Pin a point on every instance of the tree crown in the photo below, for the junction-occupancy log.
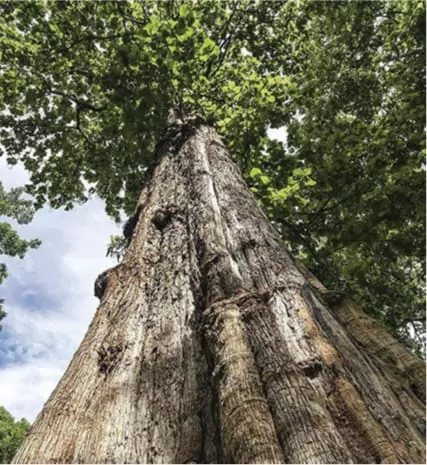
(86, 87)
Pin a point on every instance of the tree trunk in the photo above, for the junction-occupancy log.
(211, 344)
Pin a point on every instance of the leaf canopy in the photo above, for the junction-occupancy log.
(86, 87)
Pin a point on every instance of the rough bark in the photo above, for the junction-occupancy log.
(211, 344)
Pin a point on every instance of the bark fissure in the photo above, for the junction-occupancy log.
(212, 344)
(247, 428)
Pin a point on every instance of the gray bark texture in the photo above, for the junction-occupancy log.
(212, 344)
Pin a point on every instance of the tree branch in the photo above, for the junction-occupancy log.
(82, 105)
(295, 231)
(226, 42)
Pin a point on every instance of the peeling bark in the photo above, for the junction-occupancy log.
(212, 345)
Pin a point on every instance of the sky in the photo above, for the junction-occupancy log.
(49, 296)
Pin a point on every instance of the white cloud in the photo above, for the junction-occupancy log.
(25, 387)
(49, 299)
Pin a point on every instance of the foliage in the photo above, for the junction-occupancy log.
(86, 87)
(117, 247)
(12, 433)
(13, 206)
(359, 123)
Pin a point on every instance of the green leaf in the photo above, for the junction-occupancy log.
(264, 179)
(255, 172)
(184, 10)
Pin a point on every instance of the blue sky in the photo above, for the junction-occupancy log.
(49, 296)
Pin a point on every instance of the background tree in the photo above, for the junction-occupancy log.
(13, 206)
(12, 434)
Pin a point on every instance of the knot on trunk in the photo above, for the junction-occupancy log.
(333, 298)
(161, 218)
(311, 368)
(108, 357)
(101, 283)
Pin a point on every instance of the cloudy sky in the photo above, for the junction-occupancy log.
(49, 298)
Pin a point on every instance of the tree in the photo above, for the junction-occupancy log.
(212, 344)
(12, 205)
(12, 434)
(205, 286)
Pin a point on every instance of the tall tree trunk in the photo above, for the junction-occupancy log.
(212, 344)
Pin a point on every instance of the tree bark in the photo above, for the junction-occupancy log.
(211, 344)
